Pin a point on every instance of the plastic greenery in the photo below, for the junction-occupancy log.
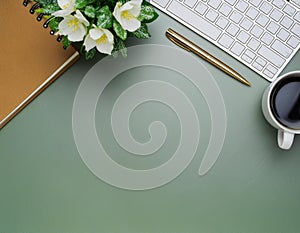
(98, 25)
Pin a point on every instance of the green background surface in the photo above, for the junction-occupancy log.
(45, 187)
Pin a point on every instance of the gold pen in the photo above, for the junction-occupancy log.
(191, 47)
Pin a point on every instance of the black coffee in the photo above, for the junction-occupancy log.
(285, 102)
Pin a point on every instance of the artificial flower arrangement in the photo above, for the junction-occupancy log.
(98, 25)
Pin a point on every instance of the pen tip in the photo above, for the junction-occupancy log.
(248, 84)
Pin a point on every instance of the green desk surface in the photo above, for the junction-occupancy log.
(45, 187)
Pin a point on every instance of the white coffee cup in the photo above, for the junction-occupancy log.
(286, 132)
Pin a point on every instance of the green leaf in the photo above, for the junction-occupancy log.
(147, 14)
(105, 18)
(39, 10)
(44, 3)
(110, 3)
(66, 43)
(119, 46)
(90, 54)
(120, 31)
(47, 16)
(49, 9)
(114, 54)
(90, 11)
(80, 4)
(97, 2)
(124, 52)
(142, 32)
(53, 24)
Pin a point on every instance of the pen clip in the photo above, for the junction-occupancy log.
(177, 42)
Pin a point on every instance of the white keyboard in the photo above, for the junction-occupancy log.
(264, 35)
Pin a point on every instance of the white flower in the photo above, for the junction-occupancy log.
(127, 14)
(67, 6)
(102, 38)
(73, 26)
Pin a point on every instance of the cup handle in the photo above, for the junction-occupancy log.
(285, 139)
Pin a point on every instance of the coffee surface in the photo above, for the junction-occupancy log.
(285, 102)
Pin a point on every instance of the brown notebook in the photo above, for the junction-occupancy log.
(30, 58)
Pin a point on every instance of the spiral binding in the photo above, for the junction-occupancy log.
(40, 17)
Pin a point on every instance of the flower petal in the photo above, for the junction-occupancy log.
(96, 33)
(77, 35)
(62, 13)
(131, 25)
(63, 27)
(105, 48)
(89, 43)
(127, 6)
(136, 10)
(137, 2)
(117, 12)
(63, 3)
(109, 35)
(81, 18)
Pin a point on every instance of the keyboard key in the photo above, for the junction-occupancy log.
(268, 73)
(241, 6)
(243, 36)
(247, 59)
(194, 20)
(226, 41)
(201, 8)
(231, 2)
(222, 22)
(162, 3)
(190, 3)
(262, 20)
(266, 7)
(267, 38)
(289, 10)
(281, 48)
(255, 2)
(297, 16)
(260, 61)
(246, 24)
(272, 69)
(236, 16)
(253, 44)
(232, 29)
(252, 13)
(237, 48)
(271, 56)
(278, 3)
(256, 31)
(276, 15)
(257, 66)
(283, 34)
(293, 42)
(286, 22)
(272, 27)
(250, 54)
(225, 9)
(214, 3)
(211, 15)
(296, 29)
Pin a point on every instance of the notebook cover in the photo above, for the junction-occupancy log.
(30, 58)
